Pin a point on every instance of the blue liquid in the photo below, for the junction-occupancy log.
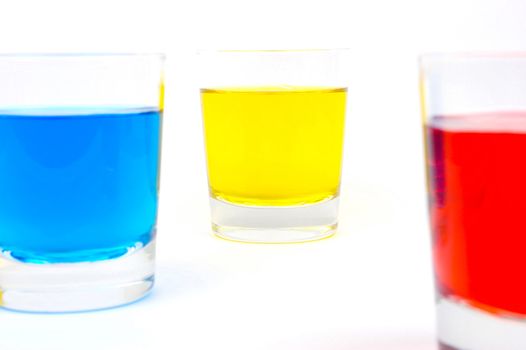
(77, 185)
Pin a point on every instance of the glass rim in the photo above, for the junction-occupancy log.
(80, 55)
(443, 57)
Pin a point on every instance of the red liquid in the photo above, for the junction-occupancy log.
(477, 177)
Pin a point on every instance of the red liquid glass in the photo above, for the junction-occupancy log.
(477, 178)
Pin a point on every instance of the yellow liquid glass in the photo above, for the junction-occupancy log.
(274, 146)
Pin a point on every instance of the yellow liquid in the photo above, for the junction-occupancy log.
(274, 146)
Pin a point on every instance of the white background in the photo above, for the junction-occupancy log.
(369, 287)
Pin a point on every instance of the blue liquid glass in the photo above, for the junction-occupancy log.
(77, 185)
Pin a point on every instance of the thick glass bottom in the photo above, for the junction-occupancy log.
(271, 224)
(68, 287)
(463, 327)
(445, 347)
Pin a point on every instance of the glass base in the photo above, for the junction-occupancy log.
(463, 327)
(69, 287)
(445, 347)
(274, 224)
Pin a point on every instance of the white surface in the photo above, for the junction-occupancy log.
(370, 286)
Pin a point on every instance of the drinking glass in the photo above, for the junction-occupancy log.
(79, 160)
(274, 128)
(474, 109)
